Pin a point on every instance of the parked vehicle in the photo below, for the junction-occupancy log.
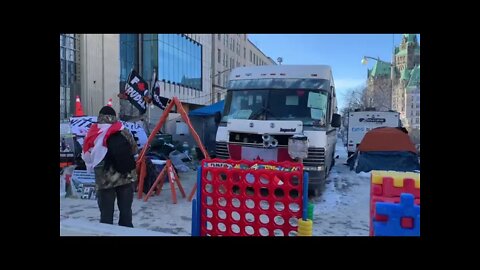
(359, 123)
(266, 105)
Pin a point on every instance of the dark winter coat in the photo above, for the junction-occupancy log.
(118, 166)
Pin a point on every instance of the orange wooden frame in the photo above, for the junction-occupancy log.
(141, 165)
(172, 178)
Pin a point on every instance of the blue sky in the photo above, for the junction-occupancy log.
(343, 52)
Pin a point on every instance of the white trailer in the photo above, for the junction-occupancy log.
(359, 123)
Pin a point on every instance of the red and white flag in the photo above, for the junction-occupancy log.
(95, 143)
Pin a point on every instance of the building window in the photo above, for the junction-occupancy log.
(219, 55)
(219, 78)
(244, 53)
(181, 60)
(219, 37)
(149, 55)
(128, 55)
(219, 96)
(69, 86)
(251, 56)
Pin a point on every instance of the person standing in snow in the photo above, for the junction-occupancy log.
(108, 151)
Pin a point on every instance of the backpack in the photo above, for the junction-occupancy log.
(119, 154)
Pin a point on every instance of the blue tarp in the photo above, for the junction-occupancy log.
(208, 110)
(387, 160)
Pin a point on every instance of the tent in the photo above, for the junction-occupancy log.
(387, 148)
(210, 110)
(205, 121)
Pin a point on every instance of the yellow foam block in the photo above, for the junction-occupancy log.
(398, 177)
(377, 177)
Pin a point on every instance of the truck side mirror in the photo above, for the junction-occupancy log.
(336, 120)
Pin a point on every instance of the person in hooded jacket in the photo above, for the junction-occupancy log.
(108, 151)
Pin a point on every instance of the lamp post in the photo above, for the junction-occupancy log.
(216, 85)
(392, 69)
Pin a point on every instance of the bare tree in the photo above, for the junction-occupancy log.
(379, 94)
(355, 99)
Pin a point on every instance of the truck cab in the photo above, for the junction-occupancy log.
(266, 105)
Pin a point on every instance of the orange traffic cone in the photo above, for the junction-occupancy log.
(78, 107)
(109, 102)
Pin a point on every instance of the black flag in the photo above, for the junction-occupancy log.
(159, 101)
(136, 89)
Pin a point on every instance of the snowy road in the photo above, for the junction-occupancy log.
(343, 208)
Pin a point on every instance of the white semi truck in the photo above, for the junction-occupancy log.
(359, 123)
(266, 106)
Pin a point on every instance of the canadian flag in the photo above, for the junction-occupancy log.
(95, 143)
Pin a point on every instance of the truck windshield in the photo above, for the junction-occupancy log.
(306, 105)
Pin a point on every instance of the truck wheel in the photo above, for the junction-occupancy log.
(315, 191)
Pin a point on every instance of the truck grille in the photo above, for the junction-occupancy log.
(221, 150)
(316, 157)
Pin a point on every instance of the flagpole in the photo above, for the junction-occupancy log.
(125, 88)
(150, 96)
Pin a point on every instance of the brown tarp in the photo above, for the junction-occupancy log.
(386, 139)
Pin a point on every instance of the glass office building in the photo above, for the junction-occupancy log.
(69, 78)
(128, 56)
(176, 57)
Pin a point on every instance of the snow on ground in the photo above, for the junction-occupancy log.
(79, 227)
(157, 214)
(344, 207)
